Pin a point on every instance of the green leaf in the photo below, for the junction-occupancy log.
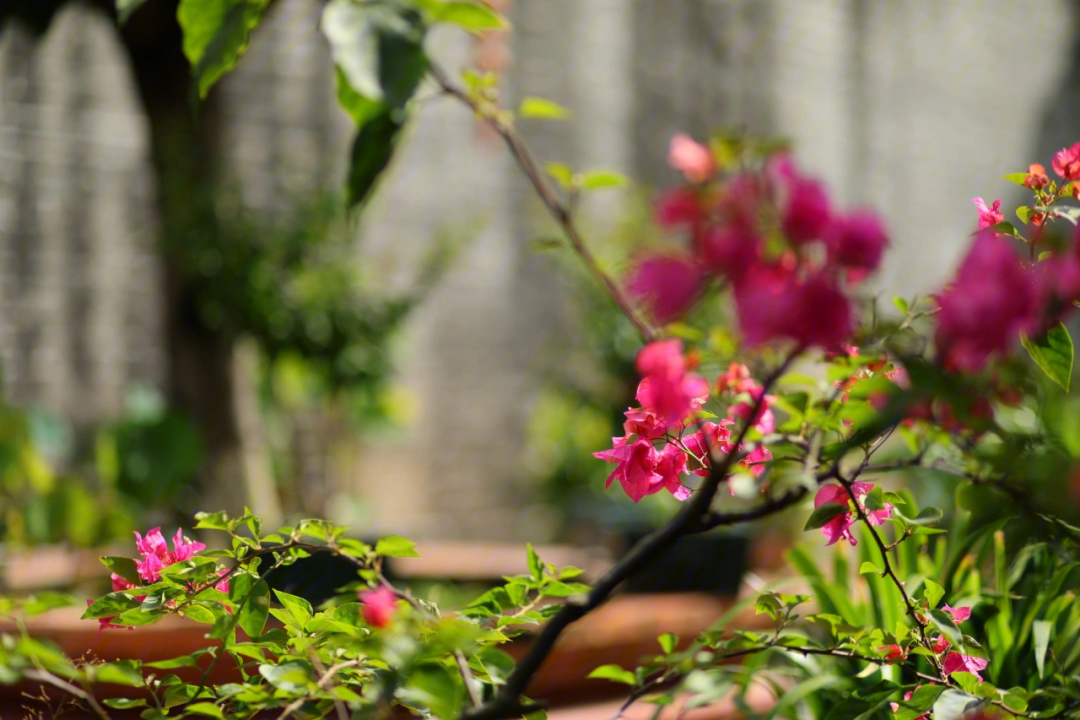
(371, 153)
(1023, 212)
(875, 499)
(254, 612)
(298, 607)
(668, 642)
(204, 708)
(932, 592)
(562, 173)
(927, 516)
(921, 700)
(537, 108)
(216, 34)
(868, 567)
(124, 8)
(200, 614)
(436, 688)
(121, 672)
(396, 546)
(123, 703)
(360, 108)
(597, 179)
(211, 521)
(536, 567)
(954, 705)
(1017, 178)
(614, 673)
(900, 304)
(1053, 352)
(111, 605)
(44, 601)
(378, 46)
(1041, 636)
(823, 514)
(474, 17)
(292, 676)
(124, 567)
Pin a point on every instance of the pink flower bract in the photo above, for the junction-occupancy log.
(691, 158)
(840, 526)
(666, 284)
(1066, 162)
(667, 390)
(774, 303)
(955, 662)
(960, 614)
(988, 215)
(379, 606)
(992, 300)
(858, 241)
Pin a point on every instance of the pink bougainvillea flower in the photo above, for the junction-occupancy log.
(737, 379)
(955, 662)
(940, 644)
(643, 423)
(156, 553)
(379, 606)
(150, 568)
(858, 241)
(666, 389)
(988, 215)
(959, 614)
(992, 300)
(691, 158)
(729, 250)
(773, 303)
(635, 467)
(804, 216)
(671, 463)
(755, 460)
(1066, 162)
(1036, 178)
(153, 544)
(764, 421)
(840, 526)
(666, 284)
(183, 548)
(711, 438)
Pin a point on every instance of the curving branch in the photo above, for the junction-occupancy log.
(559, 210)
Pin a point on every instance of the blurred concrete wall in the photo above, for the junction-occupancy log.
(913, 107)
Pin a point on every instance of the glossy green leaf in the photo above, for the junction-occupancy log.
(298, 607)
(536, 567)
(216, 35)
(869, 567)
(597, 179)
(1053, 352)
(292, 676)
(396, 546)
(124, 567)
(204, 708)
(111, 605)
(121, 672)
(932, 592)
(123, 703)
(668, 642)
(436, 688)
(1016, 178)
(256, 609)
(954, 705)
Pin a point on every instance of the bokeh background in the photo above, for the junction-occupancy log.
(430, 369)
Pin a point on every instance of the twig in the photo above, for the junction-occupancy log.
(467, 676)
(48, 677)
(559, 211)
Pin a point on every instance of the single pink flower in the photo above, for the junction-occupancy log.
(666, 389)
(940, 644)
(635, 467)
(955, 662)
(153, 544)
(379, 606)
(183, 548)
(691, 158)
(1066, 162)
(764, 421)
(150, 568)
(737, 379)
(960, 614)
(988, 215)
(858, 241)
(992, 300)
(712, 437)
(666, 284)
(895, 652)
(643, 423)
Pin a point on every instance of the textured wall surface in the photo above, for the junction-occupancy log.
(913, 107)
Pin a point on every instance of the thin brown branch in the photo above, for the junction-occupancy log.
(467, 677)
(559, 210)
(324, 681)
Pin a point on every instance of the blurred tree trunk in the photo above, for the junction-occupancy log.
(184, 153)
